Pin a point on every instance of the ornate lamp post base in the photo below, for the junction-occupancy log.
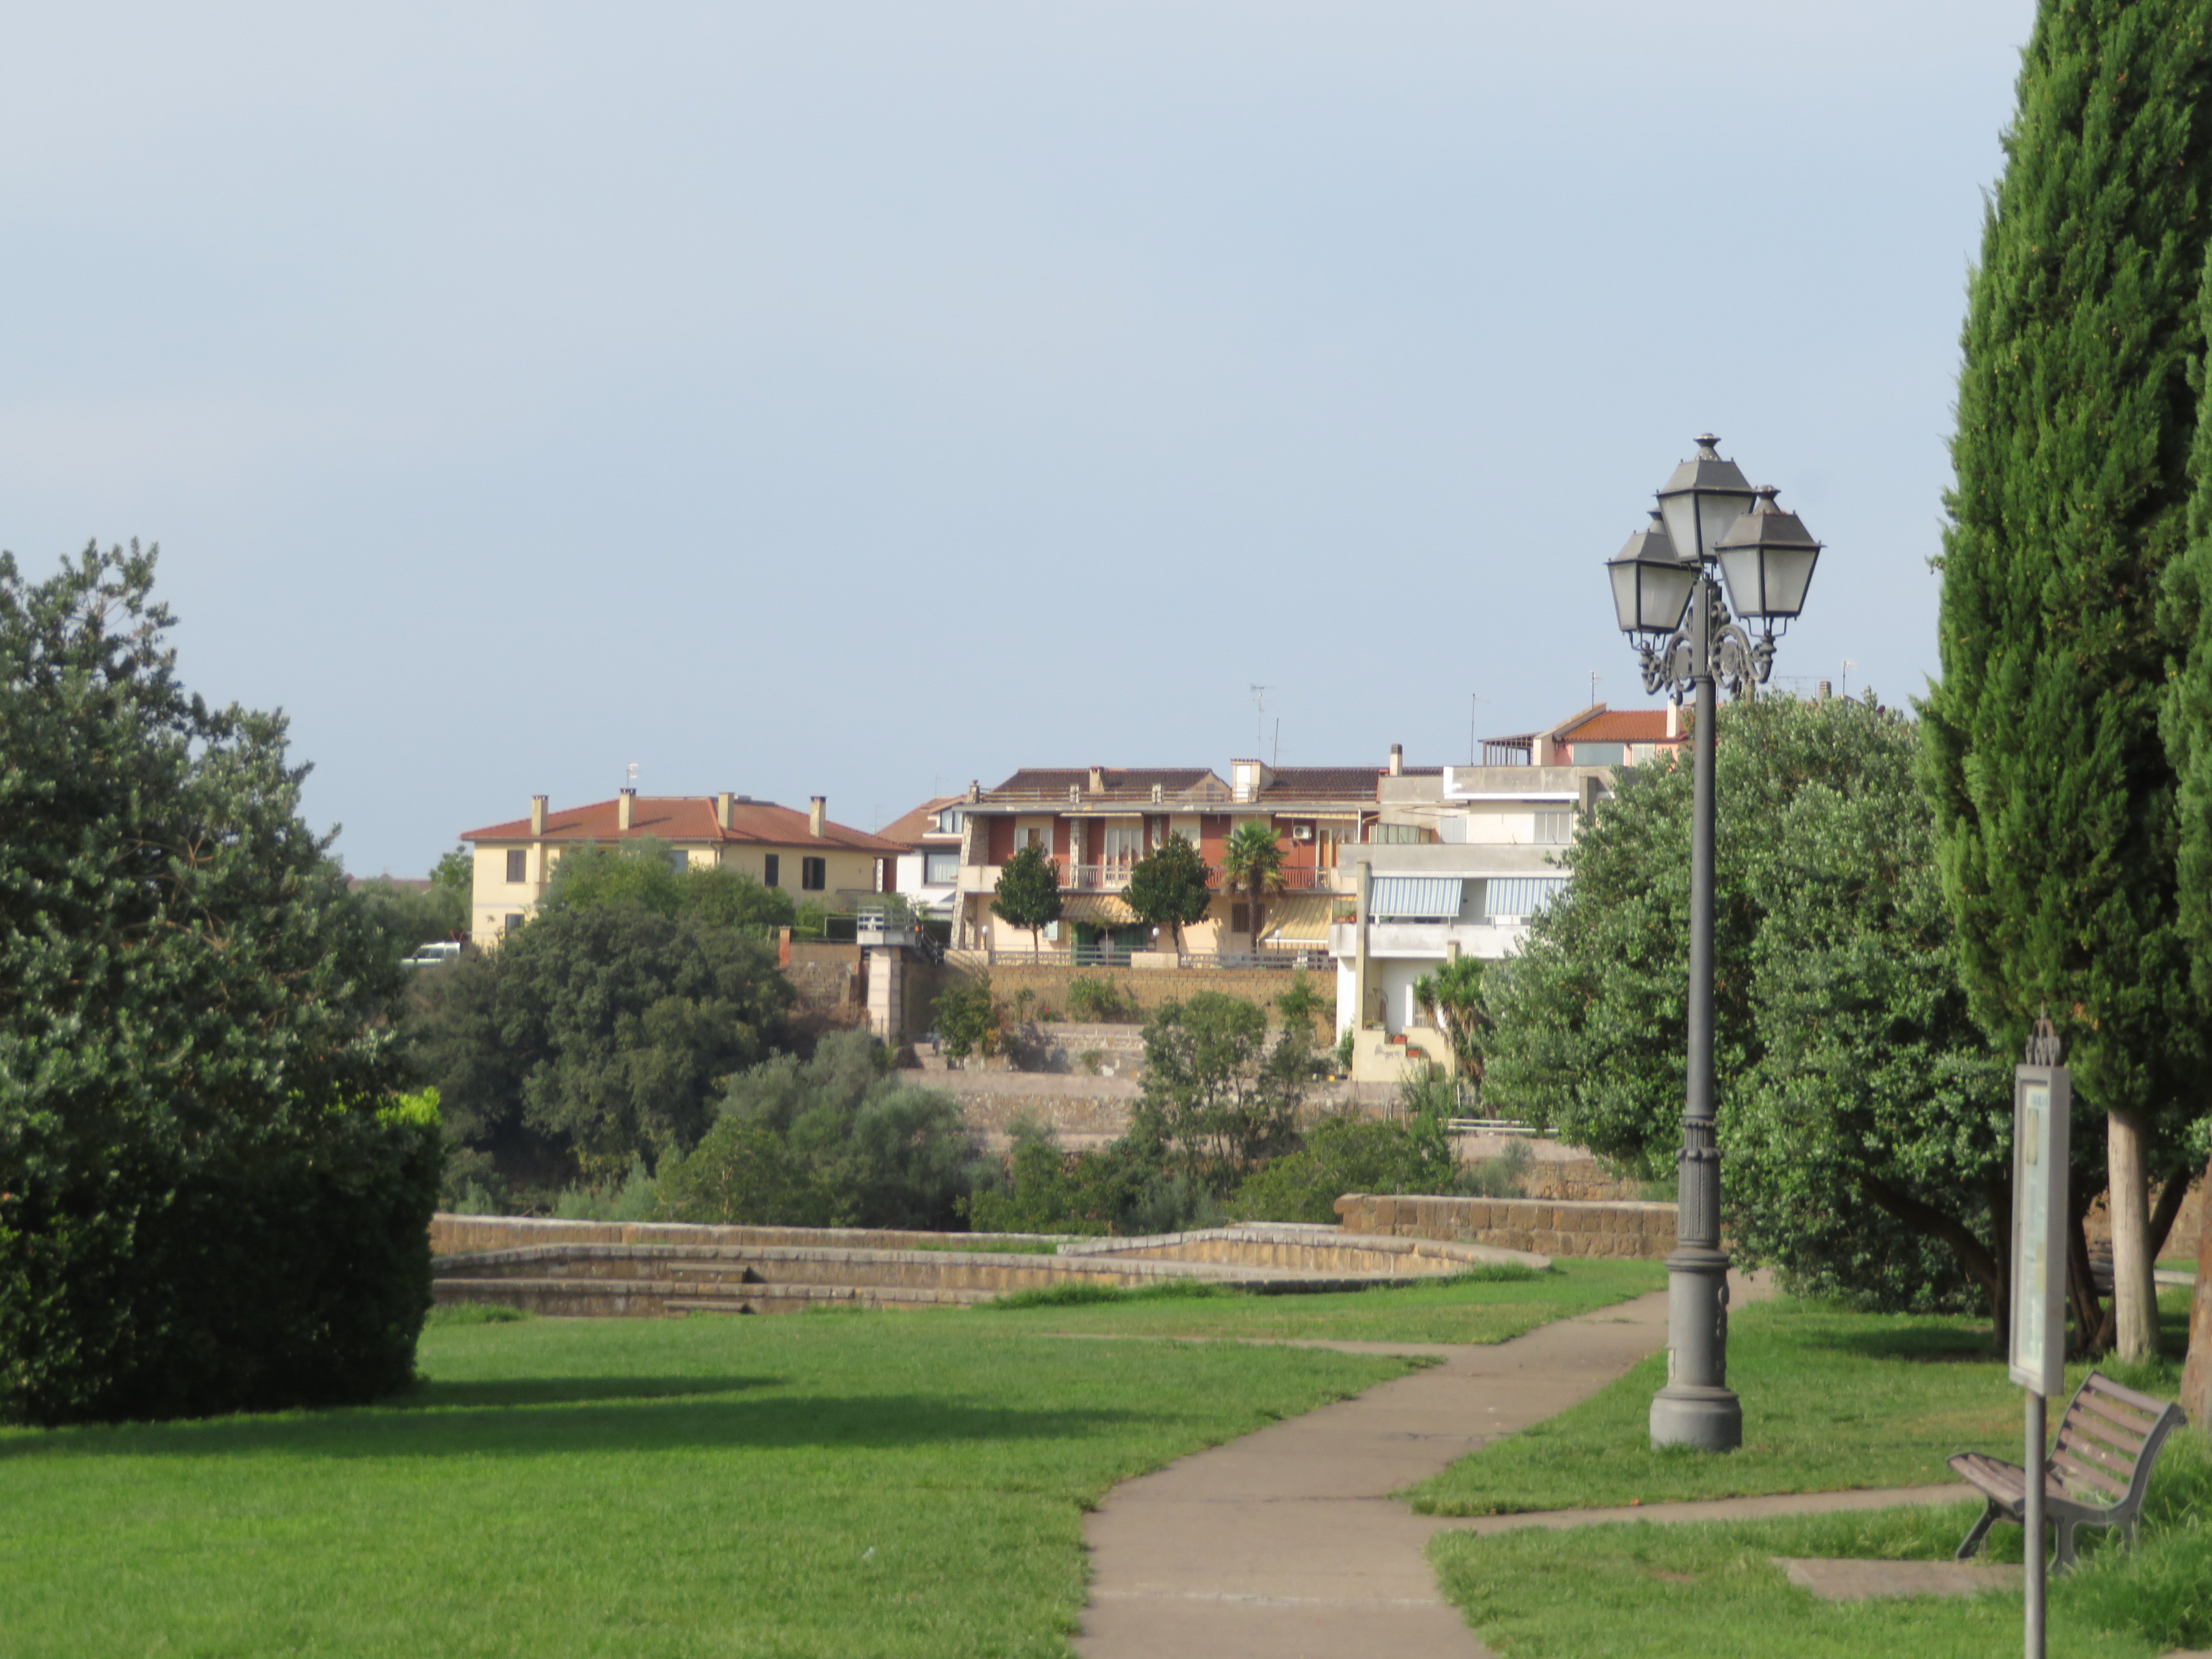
(1697, 1407)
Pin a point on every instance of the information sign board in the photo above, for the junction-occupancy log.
(2042, 1109)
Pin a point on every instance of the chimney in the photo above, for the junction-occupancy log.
(538, 814)
(1827, 691)
(1097, 780)
(975, 789)
(722, 812)
(1397, 760)
(625, 802)
(815, 804)
(1673, 718)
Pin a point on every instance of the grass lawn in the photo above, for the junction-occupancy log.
(1832, 1400)
(1463, 1308)
(895, 1484)
(1656, 1592)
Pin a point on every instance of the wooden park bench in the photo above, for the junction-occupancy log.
(2097, 1472)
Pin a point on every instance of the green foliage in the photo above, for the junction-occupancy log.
(1028, 892)
(1076, 1294)
(203, 1206)
(1349, 1153)
(1452, 997)
(643, 873)
(455, 872)
(968, 1018)
(1302, 1006)
(1124, 1188)
(2054, 795)
(1252, 864)
(1217, 1095)
(839, 1140)
(1860, 1107)
(1101, 1001)
(636, 1198)
(408, 918)
(1168, 887)
(596, 1036)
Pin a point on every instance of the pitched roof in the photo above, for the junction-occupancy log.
(1305, 782)
(908, 830)
(1056, 780)
(1622, 726)
(690, 818)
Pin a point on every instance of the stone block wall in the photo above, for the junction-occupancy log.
(1547, 1227)
(1151, 987)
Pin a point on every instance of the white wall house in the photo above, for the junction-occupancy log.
(928, 874)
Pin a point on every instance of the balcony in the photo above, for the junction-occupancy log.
(1489, 939)
(1112, 877)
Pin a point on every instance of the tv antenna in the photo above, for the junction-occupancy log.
(1594, 678)
(629, 774)
(1473, 703)
(1260, 718)
(1848, 665)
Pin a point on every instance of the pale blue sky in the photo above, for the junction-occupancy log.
(858, 398)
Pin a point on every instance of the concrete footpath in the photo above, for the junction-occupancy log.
(1288, 1542)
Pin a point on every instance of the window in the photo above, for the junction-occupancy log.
(1033, 838)
(813, 874)
(679, 861)
(1240, 918)
(1399, 835)
(1554, 829)
(518, 864)
(1600, 754)
(948, 822)
(514, 920)
(771, 866)
(943, 867)
(1122, 846)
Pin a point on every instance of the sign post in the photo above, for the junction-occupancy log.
(2042, 1109)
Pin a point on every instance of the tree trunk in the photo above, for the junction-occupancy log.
(2197, 1374)
(2081, 1283)
(2134, 1296)
(2171, 1197)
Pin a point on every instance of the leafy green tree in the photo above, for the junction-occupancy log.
(1302, 1006)
(1862, 1110)
(838, 1141)
(1124, 1188)
(1349, 1153)
(644, 872)
(596, 1035)
(209, 1200)
(1217, 1095)
(1452, 996)
(455, 872)
(1252, 864)
(2054, 794)
(1028, 892)
(408, 918)
(968, 1018)
(1168, 887)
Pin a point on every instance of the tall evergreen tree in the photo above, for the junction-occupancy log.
(2053, 791)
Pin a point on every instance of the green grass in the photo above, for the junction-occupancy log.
(1832, 1400)
(1484, 1306)
(886, 1484)
(1654, 1592)
(991, 1244)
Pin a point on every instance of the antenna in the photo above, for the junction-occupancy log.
(1277, 756)
(629, 772)
(1848, 665)
(1472, 703)
(1258, 716)
(1594, 678)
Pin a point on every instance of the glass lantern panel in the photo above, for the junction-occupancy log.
(1666, 593)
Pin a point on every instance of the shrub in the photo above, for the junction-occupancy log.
(1346, 1152)
(967, 1019)
(1101, 1001)
(1216, 1095)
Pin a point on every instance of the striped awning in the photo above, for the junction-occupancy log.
(1097, 910)
(1403, 898)
(1520, 896)
(1299, 919)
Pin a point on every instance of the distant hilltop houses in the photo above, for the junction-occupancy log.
(1386, 870)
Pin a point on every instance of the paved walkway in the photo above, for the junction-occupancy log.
(1288, 1542)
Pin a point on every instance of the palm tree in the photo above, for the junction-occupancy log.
(1252, 863)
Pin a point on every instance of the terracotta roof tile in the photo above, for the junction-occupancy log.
(690, 818)
(1623, 725)
(908, 830)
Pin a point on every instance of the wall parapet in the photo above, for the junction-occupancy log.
(1549, 1227)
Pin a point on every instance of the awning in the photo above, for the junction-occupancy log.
(1299, 918)
(1097, 910)
(1520, 896)
(1401, 898)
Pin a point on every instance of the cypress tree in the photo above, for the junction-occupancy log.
(2053, 790)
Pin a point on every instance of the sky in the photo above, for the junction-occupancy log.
(855, 399)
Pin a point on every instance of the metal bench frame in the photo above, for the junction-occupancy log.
(2097, 1472)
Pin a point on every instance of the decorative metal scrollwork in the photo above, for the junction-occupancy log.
(2043, 1045)
(1739, 660)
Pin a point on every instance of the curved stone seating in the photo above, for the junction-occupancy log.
(647, 1269)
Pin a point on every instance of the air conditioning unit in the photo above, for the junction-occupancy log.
(1302, 832)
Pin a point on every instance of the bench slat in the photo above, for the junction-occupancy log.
(2142, 1402)
(2095, 1476)
(2121, 1466)
(2117, 1415)
(2123, 1441)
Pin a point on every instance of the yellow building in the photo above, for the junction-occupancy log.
(803, 853)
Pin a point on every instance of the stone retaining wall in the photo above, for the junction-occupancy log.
(1550, 1228)
(452, 1235)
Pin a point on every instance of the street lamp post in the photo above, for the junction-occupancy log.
(1668, 602)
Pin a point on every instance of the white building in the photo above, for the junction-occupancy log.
(928, 871)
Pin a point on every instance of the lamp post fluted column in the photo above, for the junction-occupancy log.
(1697, 1407)
(1668, 601)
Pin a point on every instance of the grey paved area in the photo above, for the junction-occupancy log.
(1863, 1581)
(1287, 1543)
